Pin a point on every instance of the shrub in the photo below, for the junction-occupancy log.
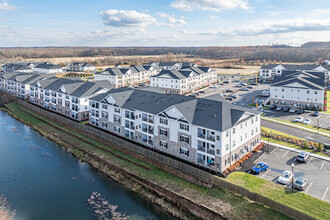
(237, 164)
(284, 139)
(240, 161)
(320, 148)
(305, 145)
(311, 143)
(316, 144)
(227, 171)
(294, 141)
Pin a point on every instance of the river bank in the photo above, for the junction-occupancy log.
(176, 195)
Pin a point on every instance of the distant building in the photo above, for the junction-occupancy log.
(184, 80)
(301, 89)
(127, 76)
(16, 67)
(172, 65)
(80, 67)
(209, 132)
(268, 72)
(48, 68)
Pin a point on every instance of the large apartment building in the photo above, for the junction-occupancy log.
(209, 132)
(127, 76)
(18, 83)
(172, 65)
(16, 67)
(80, 67)
(301, 89)
(48, 68)
(184, 80)
(268, 72)
(66, 96)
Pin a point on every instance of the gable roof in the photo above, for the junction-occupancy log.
(48, 66)
(302, 79)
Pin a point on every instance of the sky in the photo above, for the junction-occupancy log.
(114, 23)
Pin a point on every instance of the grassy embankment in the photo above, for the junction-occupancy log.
(301, 126)
(231, 205)
(305, 203)
(275, 132)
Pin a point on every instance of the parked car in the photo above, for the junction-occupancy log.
(254, 84)
(220, 83)
(292, 110)
(300, 183)
(243, 84)
(316, 114)
(303, 156)
(285, 178)
(212, 87)
(260, 167)
(229, 90)
(307, 121)
(300, 111)
(249, 87)
(245, 89)
(286, 109)
(238, 85)
(202, 91)
(272, 107)
(299, 119)
(278, 108)
(226, 81)
(234, 96)
(229, 98)
(193, 95)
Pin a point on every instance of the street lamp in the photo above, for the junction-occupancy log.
(292, 165)
(268, 141)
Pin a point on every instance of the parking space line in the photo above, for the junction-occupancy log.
(274, 150)
(325, 192)
(259, 157)
(308, 161)
(285, 154)
(265, 173)
(308, 187)
(322, 165)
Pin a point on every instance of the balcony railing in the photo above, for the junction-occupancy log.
(211, 151)
(201, 162)
(200, 148)
(201, 135)
(211, 138)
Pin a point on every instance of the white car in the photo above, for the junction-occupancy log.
(285, 178)
(307, 121)
(299, 119)
(292, 110)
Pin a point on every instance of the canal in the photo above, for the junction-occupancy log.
(42, 181)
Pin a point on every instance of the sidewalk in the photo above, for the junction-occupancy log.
(296, 150)
(296, 126)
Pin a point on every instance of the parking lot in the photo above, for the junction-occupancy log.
(316, 170)
(324, 119)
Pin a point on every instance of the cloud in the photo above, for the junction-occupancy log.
(122, 18)
(171, 20)
(4, 5)
(209, 5)
(213, 17)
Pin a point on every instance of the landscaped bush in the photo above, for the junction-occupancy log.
(319, 148)
(305, 145)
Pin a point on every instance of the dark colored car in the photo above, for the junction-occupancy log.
(279, 108)
(229, 90)
(260, 167)
(226, 82)
(201, 91)
(272, 107)
(234, 96)
(249, 87)
(286, 109)
(229, 98)
(254, 84)
(300, 111)
(316, 114)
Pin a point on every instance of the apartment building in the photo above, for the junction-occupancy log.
(48, 68)
(16, 67)
(127, 76)
(66, 96)
(209, 132)
(268, 72)
(301, 89)
(80, 67)
(18, 83)
(172, 65)
(184, 80)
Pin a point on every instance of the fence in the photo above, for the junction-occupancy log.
(162, 160)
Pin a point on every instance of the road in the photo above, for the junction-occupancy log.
(295, 132)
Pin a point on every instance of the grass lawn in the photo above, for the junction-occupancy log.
(328, 102)
(280, 121)
(233, 206)
(264, 129)
(314, 207)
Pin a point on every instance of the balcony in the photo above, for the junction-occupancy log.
(211, 138)
(201, 135)
(210, 151)
(201, 162)
(201, 148)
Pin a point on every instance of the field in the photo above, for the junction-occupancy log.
(245, 70)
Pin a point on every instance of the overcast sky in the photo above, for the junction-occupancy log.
(163, 22)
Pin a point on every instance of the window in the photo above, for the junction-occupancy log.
(184, 151)
(117, 129)
(315, 92)
(307, 91)
(184, 139)
(252, 121)
(257, 118)
(256, 129)
(218, 138)
(104, 115)
(104, 124)
(234, 130)
(234, 143)
(227, 147)
(227, 133)
(163, 144)
(117, 110)
(252, 132)
(282, 90)
(163, 132)
(184, 127)
(104, 106)
(163, 121)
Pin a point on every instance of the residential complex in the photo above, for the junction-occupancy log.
(172, 65)
(302, 89)
(127, 76)
(210, 132)
(48, 68)
(16, 67)
(268, 72)
(184, 80)
(80, 67)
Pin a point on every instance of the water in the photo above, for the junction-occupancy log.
(42, 181)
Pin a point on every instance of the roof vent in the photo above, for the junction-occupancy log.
(215, 115)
